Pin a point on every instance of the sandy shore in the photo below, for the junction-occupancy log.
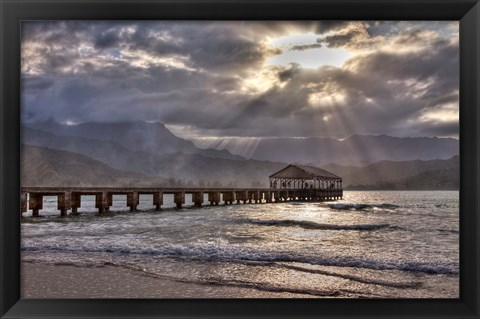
(53, 281)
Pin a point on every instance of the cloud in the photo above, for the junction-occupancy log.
(306, 46)
(213, 77)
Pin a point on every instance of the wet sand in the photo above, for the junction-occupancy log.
(55, 281)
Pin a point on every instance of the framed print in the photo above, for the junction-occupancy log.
(240, 159)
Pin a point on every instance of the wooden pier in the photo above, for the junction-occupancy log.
(69, 198)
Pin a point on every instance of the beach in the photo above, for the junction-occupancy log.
(49, 281)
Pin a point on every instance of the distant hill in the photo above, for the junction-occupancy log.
(177, 168)
(175, 162)
(138, 136)
(434, 174)
(442, 179)
(111, 153)
(47, 167)
(355, 150)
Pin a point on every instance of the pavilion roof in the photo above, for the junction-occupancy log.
(303, 172)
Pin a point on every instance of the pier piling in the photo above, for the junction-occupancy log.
(76, 202)
(158, 200)
(132, 200)
(179, 199)
(101, 202)
(23, 202)
(214, 197)
(35, 203)
(64, 203)
(197, 198)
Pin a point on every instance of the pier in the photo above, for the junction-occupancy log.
(69, 198)
(292, 183)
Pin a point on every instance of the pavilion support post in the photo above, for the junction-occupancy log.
(268, 197)
(241, 196)
(238, 197)
(158, 200)
(228, 198)
(225, 198)
(35, 203)
(256, 196)
(179, 199)
(64, 203)
(250, 196)
(210, 198)
(132, 200)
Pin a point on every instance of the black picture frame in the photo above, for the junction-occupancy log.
(15, 11)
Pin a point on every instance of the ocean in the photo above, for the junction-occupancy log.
(371, 244)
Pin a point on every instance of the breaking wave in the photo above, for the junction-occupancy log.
(312, 225)
(212, 253)
(362, 206)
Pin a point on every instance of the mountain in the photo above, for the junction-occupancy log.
(155, 138)
(109, 152)
(42, 166)
(434, 174)
(442, 179)
(138, 136)
(355, 150)
(232, 173)
(175, 162)
(177, 168)
(47, 167)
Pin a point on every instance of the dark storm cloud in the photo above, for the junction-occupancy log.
(197, 74)
(400, 86)
(107, 39)
(306, 46)
(289, 73)
(326, 26)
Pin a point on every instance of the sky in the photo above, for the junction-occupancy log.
(210, 80)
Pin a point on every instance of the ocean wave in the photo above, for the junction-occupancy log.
(312, 225)
(362, 206)
(209, 252)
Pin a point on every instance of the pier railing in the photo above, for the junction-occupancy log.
(69, 198)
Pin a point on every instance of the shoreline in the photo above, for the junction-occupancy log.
(43, 281)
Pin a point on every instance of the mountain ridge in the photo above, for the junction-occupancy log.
(194, 167)
(353, 150)
(137, 136)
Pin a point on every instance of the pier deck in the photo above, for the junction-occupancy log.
(69, 198)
